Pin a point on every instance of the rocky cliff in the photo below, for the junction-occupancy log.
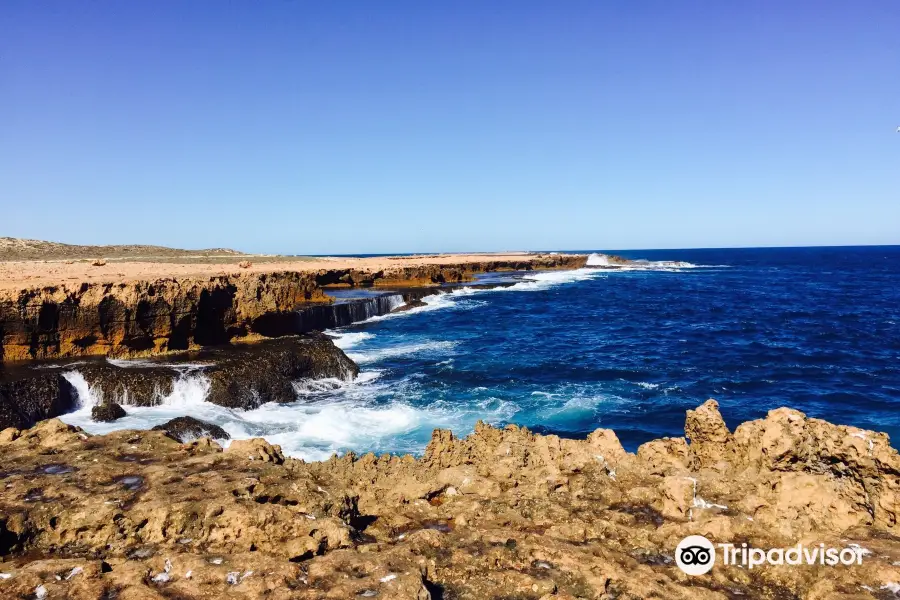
(143, 318)
(240, 376)
(501, 514)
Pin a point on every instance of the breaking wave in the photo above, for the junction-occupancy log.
(414, 379)
(417, 348)
(189, 388)
(602, 261)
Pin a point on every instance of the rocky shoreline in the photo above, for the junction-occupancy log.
(124, 318)
(255, 333)
(240, 376)
(503, 513)
(182, 512)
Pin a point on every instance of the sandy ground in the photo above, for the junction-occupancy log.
(21, 274)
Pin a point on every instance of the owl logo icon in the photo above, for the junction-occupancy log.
(695, 555)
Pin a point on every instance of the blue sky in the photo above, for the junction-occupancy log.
(342, 127)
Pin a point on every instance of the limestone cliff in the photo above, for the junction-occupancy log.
(142, 318)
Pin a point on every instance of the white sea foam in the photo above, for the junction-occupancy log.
(348, 339)
(460, 298)
(538, 281)
(186, 397)
(59, 365)
(672, 266)
(442, 300)
(331, 415)
(370, 412)
(87, 397)
(306, 388)
(418, 348)
(188, 389)
(598, 260)
(354, 420)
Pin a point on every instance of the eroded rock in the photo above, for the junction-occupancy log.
(239, 376)
(500, 513)
(27, 397)
(247, 376)
(256, 449)
(146, 318)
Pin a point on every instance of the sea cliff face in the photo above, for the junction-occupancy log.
(503, 513)
(144, 318)
(240, 376)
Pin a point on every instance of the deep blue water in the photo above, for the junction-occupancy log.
(815, 329)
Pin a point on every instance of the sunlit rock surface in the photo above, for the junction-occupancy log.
(503, 513)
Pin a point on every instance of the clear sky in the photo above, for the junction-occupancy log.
(350, 127)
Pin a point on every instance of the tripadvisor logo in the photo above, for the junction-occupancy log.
(696, 555)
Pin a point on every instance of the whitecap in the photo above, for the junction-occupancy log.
(425, 347)
(348, 339)
(598, 260)
(673, 266)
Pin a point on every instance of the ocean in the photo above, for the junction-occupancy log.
(566, 352)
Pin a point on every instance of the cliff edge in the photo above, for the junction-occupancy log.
(122, 315)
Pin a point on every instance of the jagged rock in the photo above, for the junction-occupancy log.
(240, 376)
(107, 412)
(676, 497)
(8, 435)
(665, 455)
(187, 429)
(709, 436)
(607, 447)
(250, 375)
(27, 397)
(51, 434)
(256, 449)
(500, 513)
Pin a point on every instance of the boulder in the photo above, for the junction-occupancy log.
(188, 429)
(250, 375)
(107, 413)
